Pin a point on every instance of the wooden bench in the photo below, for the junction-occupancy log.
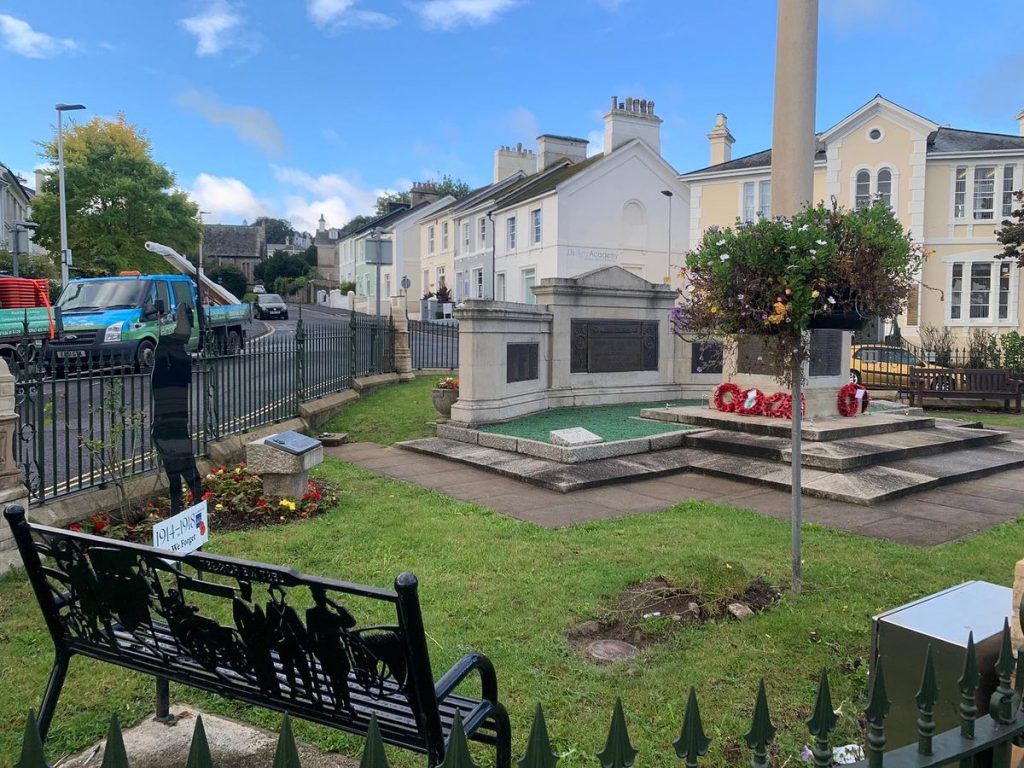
(262, 634)
(965, 384)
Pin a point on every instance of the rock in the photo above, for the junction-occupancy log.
(585, 629)
(739, 611)
(332, 439)
(611, 650)
(693, 610)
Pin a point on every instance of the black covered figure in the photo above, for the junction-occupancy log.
(172, 379)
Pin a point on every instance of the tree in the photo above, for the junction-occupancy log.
(457, 188)
(1011, 235)
(231, 277)
(118, 197)
(281, 264)
(30, 265)
(278, 230)
(310, 255)
(347, 287)
(356, 223)
(384, 201)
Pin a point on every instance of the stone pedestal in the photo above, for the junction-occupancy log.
(403, 355)
(1018, 595)
(826, 370)
(285, 475)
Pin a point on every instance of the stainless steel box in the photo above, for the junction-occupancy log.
(900, 638)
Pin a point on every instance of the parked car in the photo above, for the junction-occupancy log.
(270, 305)
(886, 366)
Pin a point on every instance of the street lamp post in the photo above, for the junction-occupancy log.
(65, 254)
(17, 227)
(668, 193)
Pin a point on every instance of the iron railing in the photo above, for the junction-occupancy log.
(434, 344)
(994, 733)
(61, 408)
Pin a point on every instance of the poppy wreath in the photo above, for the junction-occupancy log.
(786, 407)
(727, 397)
(756, 409)
(773, 405)
(848, 403)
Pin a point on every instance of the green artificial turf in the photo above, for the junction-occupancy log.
(612, 422)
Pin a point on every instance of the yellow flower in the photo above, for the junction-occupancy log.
(815, 294)
(714, 310)
(287, 504)
(219, 507)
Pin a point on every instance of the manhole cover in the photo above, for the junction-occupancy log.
(611, 650)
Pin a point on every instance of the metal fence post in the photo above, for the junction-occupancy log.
(300, 358)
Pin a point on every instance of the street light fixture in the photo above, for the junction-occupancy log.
(668, 193)
(65, 254)
(17, 227)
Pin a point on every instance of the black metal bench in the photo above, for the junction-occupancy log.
(258, 633)
(965, 384)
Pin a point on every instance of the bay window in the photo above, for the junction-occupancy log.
(984, 192)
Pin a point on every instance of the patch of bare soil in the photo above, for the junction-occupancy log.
(650, 611)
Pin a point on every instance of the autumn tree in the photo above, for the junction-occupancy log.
(118, 197)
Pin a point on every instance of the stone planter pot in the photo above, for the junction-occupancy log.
(444, 399)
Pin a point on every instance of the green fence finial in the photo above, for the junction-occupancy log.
(821, 723)
(457, 754)
(926, 698)
(287, 754)
(538, 748)
(692, 743)
(618, 752)
(373, 752)
(968, 682)
(762, 730)
(31, 746)
(1001, 703)
(876, 713)
(199, 752)
(114, 754)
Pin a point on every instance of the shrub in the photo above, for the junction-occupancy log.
(1012, 347)
(939, 342)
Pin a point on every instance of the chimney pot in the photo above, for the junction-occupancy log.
(615, 102)
(1020, 121)
(721, 140)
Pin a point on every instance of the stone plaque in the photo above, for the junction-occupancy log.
(521, 361)
(573, 437)
(613, 346)
(751, 356)
(826, 353)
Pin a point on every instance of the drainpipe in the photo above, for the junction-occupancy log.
(494, 266)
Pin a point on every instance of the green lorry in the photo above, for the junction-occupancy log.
(119, 320)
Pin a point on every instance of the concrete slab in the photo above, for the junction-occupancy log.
(574, 437)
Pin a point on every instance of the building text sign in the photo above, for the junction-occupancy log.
(186, 532)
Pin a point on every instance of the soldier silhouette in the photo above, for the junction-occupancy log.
(172, 378)
(327, 623)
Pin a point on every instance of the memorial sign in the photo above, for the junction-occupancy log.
(521, 362)
(186, 532)
(826, 357)
(613, 346)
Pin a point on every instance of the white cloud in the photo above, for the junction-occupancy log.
(329, 134)
(213, 28)
(850, 14)
(250, 124)
(19, 37)
(520, 124)
(449, 14)
(336, 14)
(336, 196)
(226, 198)
(596, 145)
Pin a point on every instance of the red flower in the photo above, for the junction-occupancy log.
(261, 502)
(207, 496)
(76, 527)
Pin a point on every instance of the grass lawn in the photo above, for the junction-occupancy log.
(989, 418)
(512, 589)
(612, 422)
(396, 413)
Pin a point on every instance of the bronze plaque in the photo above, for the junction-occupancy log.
(614, 346)
(521, 361)
(706, 357)
(826, 353)
(751, 356)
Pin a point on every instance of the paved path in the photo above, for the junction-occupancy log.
(922, 519)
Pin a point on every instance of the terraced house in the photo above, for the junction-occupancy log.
(951, 187)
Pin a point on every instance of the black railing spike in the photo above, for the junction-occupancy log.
(373, 752)
(199, 752)
(114, 754)
(762, 730)
(1001, 703)
(286, 755)
(32, 755)
(538, 747)
(692, 743)
(821, 723)
(457, 753)
(926, 697)
(617, 752)
(876, 712)
(968, 683)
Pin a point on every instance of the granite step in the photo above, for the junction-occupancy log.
(838, 428)
(873, 484)
(849, 454)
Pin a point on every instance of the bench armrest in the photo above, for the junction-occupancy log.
(463, 667)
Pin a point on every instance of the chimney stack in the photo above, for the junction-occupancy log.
(1020, 121)
(40, 180)
(721, 140)
(551, 149)
(631, 119)
(422, 192)
(511, 160)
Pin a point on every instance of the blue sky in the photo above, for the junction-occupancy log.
(296, 107)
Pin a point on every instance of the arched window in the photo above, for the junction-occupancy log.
(884, 186)
(863, 193)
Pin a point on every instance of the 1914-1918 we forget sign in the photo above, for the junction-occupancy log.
(186, 532)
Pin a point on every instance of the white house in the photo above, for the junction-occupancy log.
(15, 206)
(404, 233)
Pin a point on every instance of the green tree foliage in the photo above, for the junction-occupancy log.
(384, 201)
(231, 277)
(118, 197)
(310, 255)
(281, 264)
(457, 188)
(278, 230)
(347, 286)
(356, 223)
(30, 265)
(1011, 235)
(286, 286)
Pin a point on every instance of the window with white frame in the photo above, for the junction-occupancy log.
(984, 191)
(757, 200)
(529, 280)
(960, 192)
(1007, 190)
(980, 291)
(426, 281)
(483, 231)
(862, 193)
(444, 235)
(478, 283)
(535, 225)
(499, 286)
(510, 233)
(462, 282)
(465, 235)
(430, 239)
(883, 186)
(439, 273)
(979, 194)
(869, 186)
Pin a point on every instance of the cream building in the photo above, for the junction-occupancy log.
(949, 187)
(15, 207)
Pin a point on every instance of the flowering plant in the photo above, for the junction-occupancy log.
(776, 277)
(449, 382)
